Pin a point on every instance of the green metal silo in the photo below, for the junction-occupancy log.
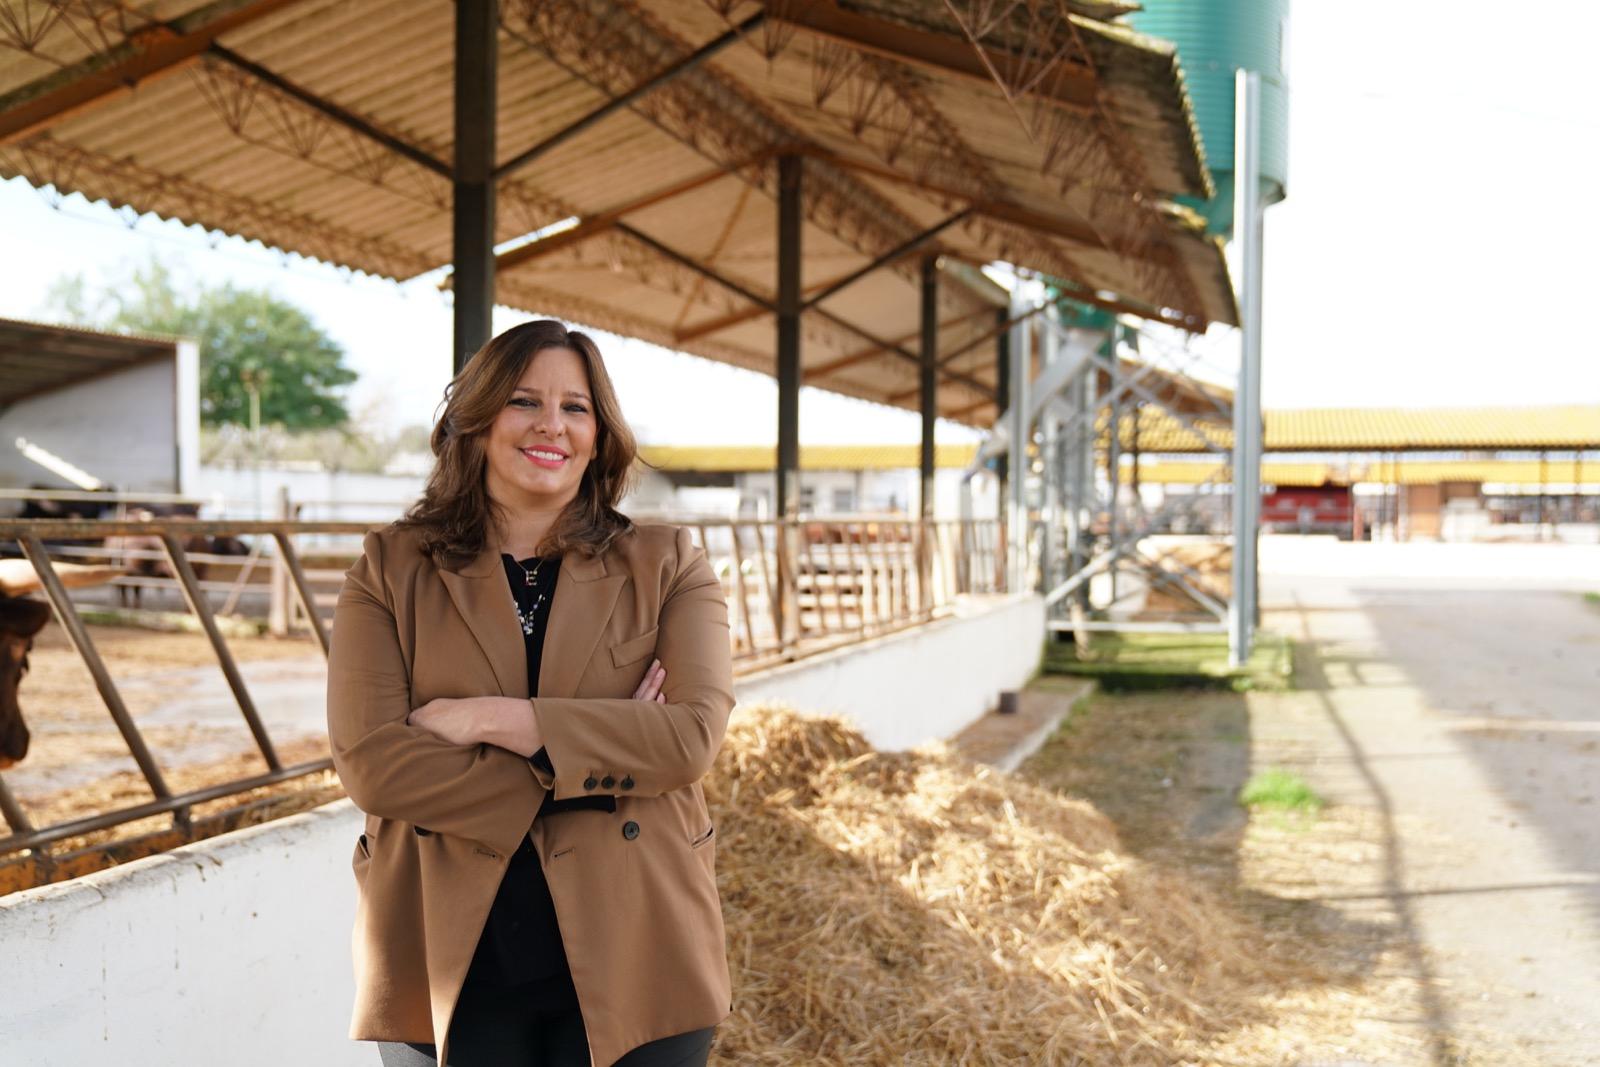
(1215, 38)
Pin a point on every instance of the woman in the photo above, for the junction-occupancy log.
(524, 690)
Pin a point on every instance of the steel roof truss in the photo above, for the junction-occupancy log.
(154, 50)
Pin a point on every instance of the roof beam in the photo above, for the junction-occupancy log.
(1192, 323)
(894, 349)
(867, 353)
(615, 104)
(766, 305)
(690, 263)
(1074, 85)
(608, 219)
(348, 119)
(1052, 225)
(739, 318)
(888, 257)
(149, 53)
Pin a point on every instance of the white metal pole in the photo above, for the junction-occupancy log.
(1247, 393)
(1019, 431)
(1049, 507)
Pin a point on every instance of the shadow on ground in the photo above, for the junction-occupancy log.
(1167, 766)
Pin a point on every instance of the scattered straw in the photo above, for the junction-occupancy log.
(914, 908)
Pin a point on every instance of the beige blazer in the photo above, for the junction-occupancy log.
(635, 890)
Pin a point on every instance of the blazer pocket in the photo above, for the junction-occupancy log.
(634, 648)
(703, 838)
(366, 849)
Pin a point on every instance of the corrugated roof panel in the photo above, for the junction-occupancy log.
(1555, 427)
(812, 457)
(1524, 473)
(211, 145)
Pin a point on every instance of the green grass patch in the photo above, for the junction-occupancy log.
(1278, 790)
(1593, 598)
(1140, 661)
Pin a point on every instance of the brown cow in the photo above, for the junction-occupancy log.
(20, 619)
(160, 567)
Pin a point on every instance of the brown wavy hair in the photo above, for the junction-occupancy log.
(455, 513)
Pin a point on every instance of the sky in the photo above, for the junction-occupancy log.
(1434, 249)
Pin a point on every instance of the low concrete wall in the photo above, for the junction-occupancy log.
(237, 949)
(918, 684)
(233, 950)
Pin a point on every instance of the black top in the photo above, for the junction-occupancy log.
(521, 943)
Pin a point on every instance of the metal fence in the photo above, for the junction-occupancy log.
(794, 589)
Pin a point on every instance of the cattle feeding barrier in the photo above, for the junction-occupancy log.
(795, 588)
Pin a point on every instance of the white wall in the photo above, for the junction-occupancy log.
(887, 687)
(333, 496)
(876, 491)
(187, 419)
(233, 950)
(122, 428)
(236, 950)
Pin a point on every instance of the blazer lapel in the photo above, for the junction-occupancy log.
(483, 598)
(586, 593)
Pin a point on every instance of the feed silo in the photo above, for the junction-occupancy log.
(1215, 38)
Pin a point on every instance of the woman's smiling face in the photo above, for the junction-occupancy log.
(540, 443)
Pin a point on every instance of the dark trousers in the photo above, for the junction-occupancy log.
(493, 1028)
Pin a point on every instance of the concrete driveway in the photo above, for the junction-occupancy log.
(1454, 690)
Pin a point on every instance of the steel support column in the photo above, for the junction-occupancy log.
(1247, 394)
(1114, 454)
(1050, 473)
(477, 50)
(1018, 430)
(787, 475)
(788, 495)
(928, 382)
(1002, 398)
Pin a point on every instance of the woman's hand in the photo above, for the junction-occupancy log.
(449, 718)
(650, 686)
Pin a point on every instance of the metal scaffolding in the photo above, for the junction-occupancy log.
(1078, 529)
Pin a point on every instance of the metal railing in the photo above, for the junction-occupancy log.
(31, 535)
(794, 589)
(800, 586)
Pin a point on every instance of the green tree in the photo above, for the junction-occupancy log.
(245, 336)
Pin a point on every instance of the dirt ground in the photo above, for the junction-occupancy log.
(1450, 890)
(78, 762)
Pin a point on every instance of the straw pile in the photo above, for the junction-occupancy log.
(1207, 565)
(913, 908)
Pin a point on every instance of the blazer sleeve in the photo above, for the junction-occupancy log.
(659, 746)
(397, 771)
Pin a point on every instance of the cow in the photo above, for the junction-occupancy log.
(20, 619)
(160, 566)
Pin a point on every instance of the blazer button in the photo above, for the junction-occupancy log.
(627, 783)
(630, 829)
(607, 782)
(589, 782)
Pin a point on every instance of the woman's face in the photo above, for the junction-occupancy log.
(540, 443)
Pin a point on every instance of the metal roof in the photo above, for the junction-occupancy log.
(1049, 138)
(1553, 427)
(37, 358)
(1561, 428)
(1405, 472)
(758, 458)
